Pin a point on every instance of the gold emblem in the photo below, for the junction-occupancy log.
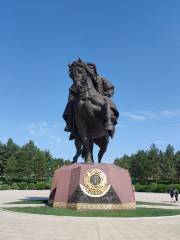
(95, 183)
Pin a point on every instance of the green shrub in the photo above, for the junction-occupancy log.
(141, 188)
(14, 186)
(138, 187)
(43, 185)
(40, 185)
(161, 188)
(177, 186)
(169, 186)
(31, 186)
(151, 187)
(144, 188)
(22, 185)
(4, 187)
(47, 185)
(155, 187)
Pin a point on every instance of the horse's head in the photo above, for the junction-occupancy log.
(78, 71)
(82, 77)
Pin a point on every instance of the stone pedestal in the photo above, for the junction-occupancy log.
(92, 186)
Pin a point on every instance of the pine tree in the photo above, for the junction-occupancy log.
(15, 167)
(124, 162)
(40, 166)
(3, 158)
(140, 168)
(9, 150)
(29, 152)
(169, 159)
(177, 164)
(154, 162)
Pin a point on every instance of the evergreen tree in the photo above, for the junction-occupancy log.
(52, 166)
(29, 152)
(40, 166)
(14, 170)
(169, 158)
(140, 168)
(11, 147)
(124, 162)
(7, 151)
(162, 165)
(177, 164)
(67, 162)
(154, 162)
(3, 158)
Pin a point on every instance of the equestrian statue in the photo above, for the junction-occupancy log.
(90, 114)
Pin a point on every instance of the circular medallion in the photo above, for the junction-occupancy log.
(95, 183)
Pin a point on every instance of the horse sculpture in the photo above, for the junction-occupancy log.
(89, 110)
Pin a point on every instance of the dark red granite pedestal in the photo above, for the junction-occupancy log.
(92, 186)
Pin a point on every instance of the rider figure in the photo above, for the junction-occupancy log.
(106, 89)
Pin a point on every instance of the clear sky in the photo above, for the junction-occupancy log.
(134, 43)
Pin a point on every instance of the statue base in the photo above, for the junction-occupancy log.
(92, 186)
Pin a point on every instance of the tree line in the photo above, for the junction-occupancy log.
(30, 164)
(27, 163)
(152, 165)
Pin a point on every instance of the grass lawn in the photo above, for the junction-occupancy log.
(45, 201)
(139, 212)
(154, 204)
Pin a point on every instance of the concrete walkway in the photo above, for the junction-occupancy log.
(22, 226)
(154, 197)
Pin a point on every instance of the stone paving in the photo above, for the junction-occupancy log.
(22, 226)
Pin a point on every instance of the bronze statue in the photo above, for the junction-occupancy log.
(90, 114)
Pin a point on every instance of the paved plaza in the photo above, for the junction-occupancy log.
(23, 226)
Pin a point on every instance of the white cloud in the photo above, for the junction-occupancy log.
(149, 114)
(120, 125)
(133, 116)
(45, 132)
(38, 129)
(58, 125)
(170, 113)
(143, 115)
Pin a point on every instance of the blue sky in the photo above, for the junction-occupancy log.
(134, 43)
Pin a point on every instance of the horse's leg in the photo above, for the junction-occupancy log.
(91, 149)
(83, 132)
(88, 157)
(102, 143)
(78, 144)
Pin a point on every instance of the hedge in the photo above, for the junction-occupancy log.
(14, 186)
(152, 187)
(155, 187)
(25, 185)
(31, 186)
(4, 187)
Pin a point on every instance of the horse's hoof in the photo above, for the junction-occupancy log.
(88, 160)
(73, 162)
